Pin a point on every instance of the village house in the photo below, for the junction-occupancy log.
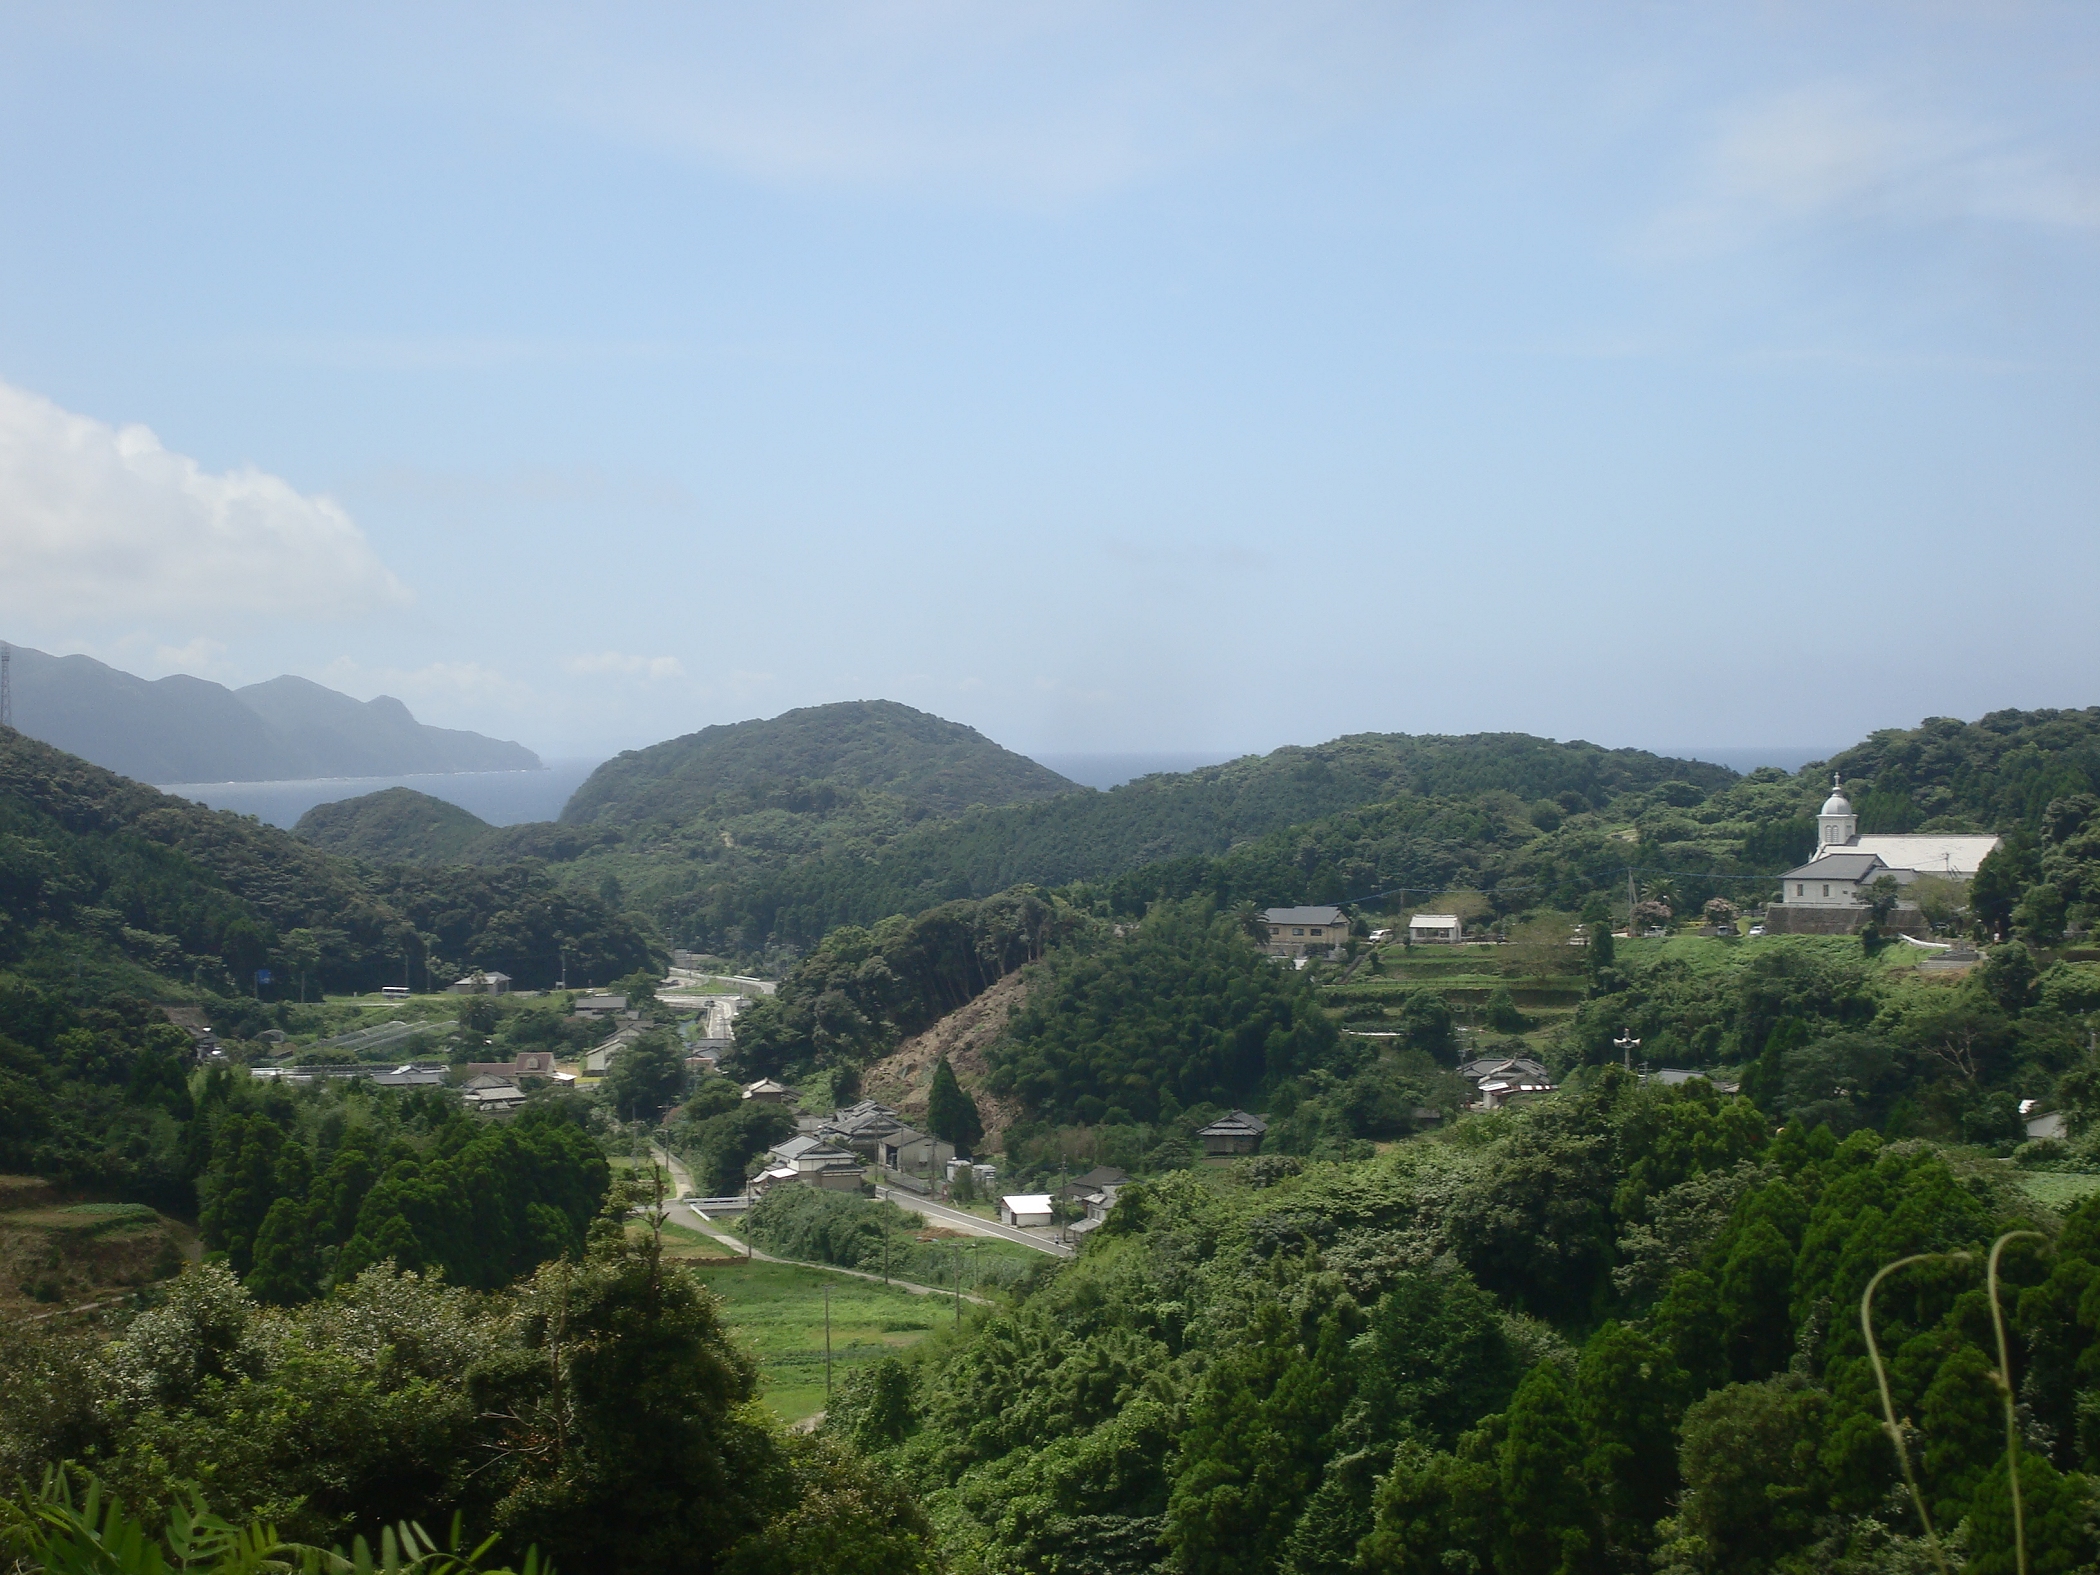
(1501, 1080)
(598, 1060)
(1237, 1133)
(1302, 932)
(911, 1153)
(819, 1163)
(1101, 1177)
(862, 1127)
(767, 1091)
(1435, 929)
(599, 1005)
(1095, 1193)
(480, 983)
(527, 1063)
(491, 1096)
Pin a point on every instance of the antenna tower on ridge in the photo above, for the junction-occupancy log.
(7, 685)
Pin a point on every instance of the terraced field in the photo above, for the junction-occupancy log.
(56, 1254)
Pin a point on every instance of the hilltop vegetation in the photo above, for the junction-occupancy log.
(395, 825)
(1988, 775)
(804, 759)
(1098, 836)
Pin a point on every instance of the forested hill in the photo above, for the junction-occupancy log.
(807, 755)
(1991, 774)
(104, 881)
(395, 825)
(1097, 836)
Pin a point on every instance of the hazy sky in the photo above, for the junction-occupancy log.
(1109, 377)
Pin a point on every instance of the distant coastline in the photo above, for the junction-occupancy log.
(502, 798)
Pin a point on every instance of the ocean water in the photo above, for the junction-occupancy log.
(502, 798)
(1111, 770)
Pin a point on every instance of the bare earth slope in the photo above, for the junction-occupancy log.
(902, 1078)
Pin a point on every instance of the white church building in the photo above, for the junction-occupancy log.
(1846, 863)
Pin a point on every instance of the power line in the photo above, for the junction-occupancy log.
(1556, 885)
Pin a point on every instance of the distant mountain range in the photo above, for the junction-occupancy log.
(184, 729)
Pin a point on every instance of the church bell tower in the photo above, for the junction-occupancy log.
(1836, 825)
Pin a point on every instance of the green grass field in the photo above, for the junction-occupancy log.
(2057, 1191)
(777, 1311)
(683, 1245)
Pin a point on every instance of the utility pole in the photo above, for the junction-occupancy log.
(827, 1340)
(1627, 1044)
(958, 1285)
(1631, 902)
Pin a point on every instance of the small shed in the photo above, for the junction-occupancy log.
(1443, 929)
(1025, 1208)
(1237, 1133)
(2042, 1125)
(600, 1005)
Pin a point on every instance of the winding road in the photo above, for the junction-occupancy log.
(685, 1214)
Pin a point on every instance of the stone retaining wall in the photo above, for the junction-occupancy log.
(1780, 919)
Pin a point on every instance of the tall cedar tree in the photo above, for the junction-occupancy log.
(951, 1113)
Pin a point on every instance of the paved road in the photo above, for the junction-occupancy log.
(685, 1214)
(973, 1224)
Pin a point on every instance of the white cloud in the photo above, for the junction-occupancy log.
(104, 523)
(202, 657)
(1845, 151)
(599, 663)
(464, 683)
(1057, 100)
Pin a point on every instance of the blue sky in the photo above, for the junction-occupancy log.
(1107, 377)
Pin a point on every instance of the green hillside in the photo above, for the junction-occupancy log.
(1098, 836)
(395, 826)
(1990, 774)
(103, 878)
(807, 759)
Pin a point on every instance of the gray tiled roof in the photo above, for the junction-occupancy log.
(1302, 915)
(1837, 867)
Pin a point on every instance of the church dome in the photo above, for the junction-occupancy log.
(1837, 803)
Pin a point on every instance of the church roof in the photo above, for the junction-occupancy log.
(1926, 852)
(1851, 864)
